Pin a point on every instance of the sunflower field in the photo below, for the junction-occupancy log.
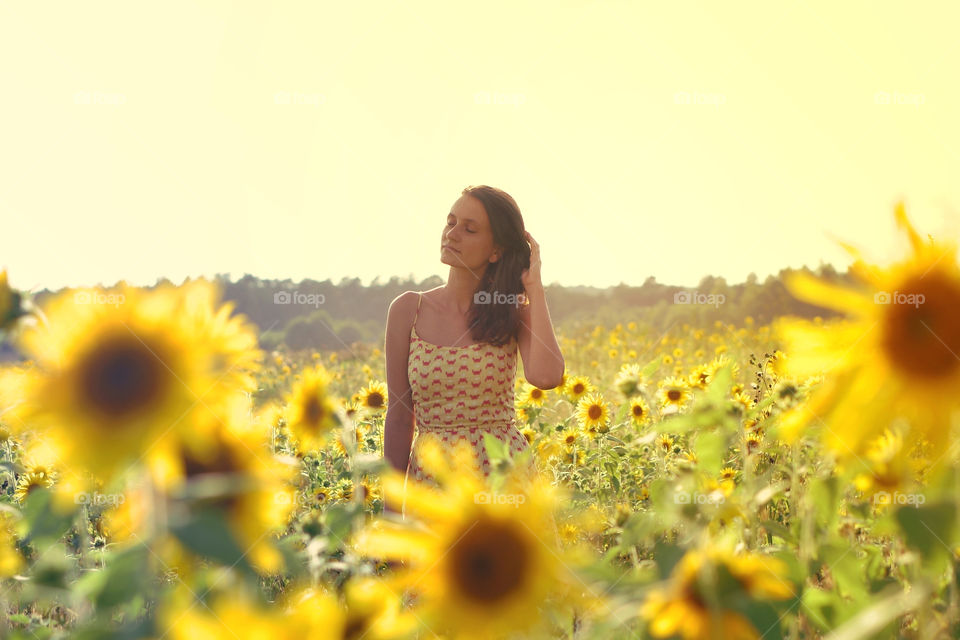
(164, 477)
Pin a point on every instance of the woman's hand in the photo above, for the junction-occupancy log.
(531, 277)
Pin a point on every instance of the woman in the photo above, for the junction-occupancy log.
(451, 351)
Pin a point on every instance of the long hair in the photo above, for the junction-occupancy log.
(495, 312)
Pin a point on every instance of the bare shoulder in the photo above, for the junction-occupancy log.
(402, 309)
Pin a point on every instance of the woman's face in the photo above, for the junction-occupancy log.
(467, 239)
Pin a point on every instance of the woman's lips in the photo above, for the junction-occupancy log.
(446, 246)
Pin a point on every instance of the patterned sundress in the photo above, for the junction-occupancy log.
(460, 393)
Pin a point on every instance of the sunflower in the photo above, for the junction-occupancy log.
(889, 467)
(700, 376)
(569, 437)
(373, 397)
(261, 495)
(894, 358)
(639, 411)
(593, 412)
(665, 443)
(673, 392)
(532, 396)
(36, 475)
(236, 613)
(123, 373)
(11, 562)
(529, 434)
(628, 379)
(480, 562)
(311, 412)
(700, 586)
(577, 387)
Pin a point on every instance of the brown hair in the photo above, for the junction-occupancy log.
(492, 321)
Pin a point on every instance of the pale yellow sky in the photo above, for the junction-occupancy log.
(323, 140)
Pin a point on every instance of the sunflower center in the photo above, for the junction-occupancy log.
(637, 410)
(921, 334)
(578, 388)
(594, 412)
(490, 562)
(536, 394)
(673, 395)
(122, 377)
(375, 400)
(313, 410)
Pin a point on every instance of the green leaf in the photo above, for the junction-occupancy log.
(123, 577)
(42, 520)
(649, 369)
(207, 534)
(709, 448)
(339, 520)
(666, 556)
(496, 448)
(929, 530)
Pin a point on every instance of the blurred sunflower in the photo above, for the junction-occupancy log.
(628, 379)
(639, 411)
(260, 493)
(121, 372)
(700, 376)
(673, 392)
(702, 583)
(896, 358)
(311, 412)
(480, 565)
(593, 412)
(373, 397)
(11, 562)
(35, 475)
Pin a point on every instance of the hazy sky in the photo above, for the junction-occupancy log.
(329, 139)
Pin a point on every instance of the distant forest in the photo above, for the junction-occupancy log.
(323, 315)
